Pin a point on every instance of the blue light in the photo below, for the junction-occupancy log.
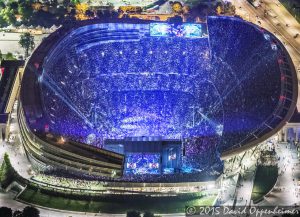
(185, 30)
(160, 29)
(192, 30)
(172, 87)
(187, 169)
(267, 37)
(139, 163)
(274, 46)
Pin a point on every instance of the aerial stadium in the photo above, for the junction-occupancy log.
(159, 102)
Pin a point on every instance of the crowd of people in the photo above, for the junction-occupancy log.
(68, 182)
(153, 94)
(199, 176)
(251, 62)
(211, 92)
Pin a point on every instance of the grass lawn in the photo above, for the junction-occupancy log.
(264, 181)
(156, 205)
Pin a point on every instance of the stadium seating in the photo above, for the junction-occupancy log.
(216, 93)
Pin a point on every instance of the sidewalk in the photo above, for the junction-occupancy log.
(14, 149)
(286, 190)
(246, 185)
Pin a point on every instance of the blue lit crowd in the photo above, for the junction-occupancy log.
(210, 92)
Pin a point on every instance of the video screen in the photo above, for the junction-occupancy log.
(160, 29)
(142, 163)
(188, 30)
(192, 30)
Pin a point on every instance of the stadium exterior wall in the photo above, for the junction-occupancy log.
(46, 154)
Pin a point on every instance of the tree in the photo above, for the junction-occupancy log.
(110, 4)
(176, 20)
(2, 21)
(148, 214)
(2, 4)
(81, 9)
(199, 10)
(177, 7)
(27, 42)
(66, 3)
(133, 213)
(8, 15)
(3, 170)
(54, 3)
(186, 9)
(30, 211)
(13, 6)
(43, 18)
(89, 13)
(18, 213)
(229, 8)
(219, 10)
(26, 11)
(75, 2)
(9, 56)
(5, 212)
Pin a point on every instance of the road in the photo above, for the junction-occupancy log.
(9, 42)
(274, 21)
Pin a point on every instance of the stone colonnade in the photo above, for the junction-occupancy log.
(289, 132)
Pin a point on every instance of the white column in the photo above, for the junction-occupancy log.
(1, 137)
(285, 134)
(280, 135)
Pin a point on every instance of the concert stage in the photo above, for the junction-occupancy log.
(148, 155)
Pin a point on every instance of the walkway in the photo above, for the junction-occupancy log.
(286, 190)
(244, 190)
(13, 148)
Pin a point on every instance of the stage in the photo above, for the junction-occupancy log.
(148, 155)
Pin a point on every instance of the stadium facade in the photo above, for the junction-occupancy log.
(114, 100)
